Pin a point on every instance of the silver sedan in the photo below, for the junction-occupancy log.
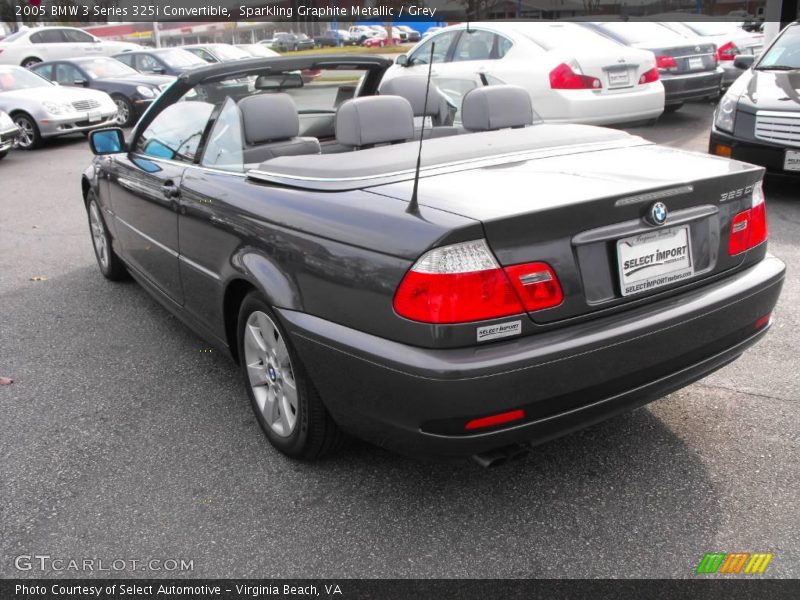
(41, 109)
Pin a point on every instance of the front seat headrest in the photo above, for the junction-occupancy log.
(268, 118)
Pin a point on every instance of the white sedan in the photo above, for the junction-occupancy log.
(573, 75)
(31, 46)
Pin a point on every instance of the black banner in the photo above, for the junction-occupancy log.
(103, 11)
(357, 589)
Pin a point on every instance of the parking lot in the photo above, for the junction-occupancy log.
(125, 437)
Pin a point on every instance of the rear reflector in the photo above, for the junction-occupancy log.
(564, 77)
(463, 283)
(763, 321)
(749, 227)
(650, 76)
(491, 421)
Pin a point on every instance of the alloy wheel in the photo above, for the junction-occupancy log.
(270, 372)
(27, 135)
(98, 235)
(123, 112)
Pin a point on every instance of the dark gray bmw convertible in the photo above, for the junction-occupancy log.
(527, 280)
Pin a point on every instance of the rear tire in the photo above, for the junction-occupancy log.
(284, 401)
(108, 262)
(671, 108)
(29, 62)
(3, 154)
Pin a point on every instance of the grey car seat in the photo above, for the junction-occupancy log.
(374, 120)
(438, 108)
(271, 128)
(496, 107)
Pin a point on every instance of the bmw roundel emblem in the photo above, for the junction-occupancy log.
(658, 213)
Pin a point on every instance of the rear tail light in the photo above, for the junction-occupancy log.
(463, 282)
(666, 63)
(649, 76)
(749, 227)
(763, 321)
(569, 77)
(727, 51)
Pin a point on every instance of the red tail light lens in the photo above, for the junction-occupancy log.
(727, 51)
(666, 62)
(463, 283)
(649, 76)
(563, 77)
(536, 284)
(749, 227)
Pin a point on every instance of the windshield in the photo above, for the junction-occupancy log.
(711, 28)
(180, 58)
(638, 33)
(106, 67)
(15, 36)
(17, 78)
(785, 52)
(225, 52)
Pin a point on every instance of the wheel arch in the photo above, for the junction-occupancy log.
(258, 273)
(30, 57)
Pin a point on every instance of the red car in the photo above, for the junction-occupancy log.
(379, 41)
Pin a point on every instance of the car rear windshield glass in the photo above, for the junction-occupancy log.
(785, 52)
(98, 68)
(562, 35)
(15, 36)
(641, 33)
(181, 58)
(17, 78)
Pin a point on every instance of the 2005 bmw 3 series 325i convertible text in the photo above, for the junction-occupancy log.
(543, 278)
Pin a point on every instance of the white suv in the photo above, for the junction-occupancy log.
(30, 46)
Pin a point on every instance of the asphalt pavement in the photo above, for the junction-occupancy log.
(123, 437)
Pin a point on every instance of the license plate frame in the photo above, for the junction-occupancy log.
(618, 78)
(654, 259)
(696, 63)
(791, 161)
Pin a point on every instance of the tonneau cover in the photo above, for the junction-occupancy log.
(387, 164)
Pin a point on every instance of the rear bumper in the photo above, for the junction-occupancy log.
(757, 152)
(638, 103)
(416, 401)
(684, 88)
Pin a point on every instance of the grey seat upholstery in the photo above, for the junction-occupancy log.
(373, 120)
(496, 107)
(271, 127)
(437, 108)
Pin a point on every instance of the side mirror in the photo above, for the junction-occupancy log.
(107, 141)
(80, 82)
(743, 61)
(159, 70)
(402, 60)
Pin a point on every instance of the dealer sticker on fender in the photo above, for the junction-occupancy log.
(654, 259)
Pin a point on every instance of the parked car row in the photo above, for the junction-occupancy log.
(585, 72)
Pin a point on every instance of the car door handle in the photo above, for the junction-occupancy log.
(170, 190)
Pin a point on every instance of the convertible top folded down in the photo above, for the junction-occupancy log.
(386, 164)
